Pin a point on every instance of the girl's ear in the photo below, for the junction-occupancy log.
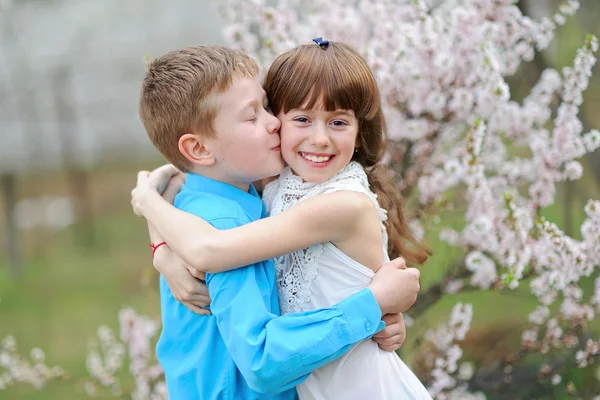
(193, 148)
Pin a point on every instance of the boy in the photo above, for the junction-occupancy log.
(206, 112)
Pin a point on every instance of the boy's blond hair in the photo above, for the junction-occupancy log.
(179, 94)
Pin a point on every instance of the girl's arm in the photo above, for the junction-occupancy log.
(186, 289)
(328, 217)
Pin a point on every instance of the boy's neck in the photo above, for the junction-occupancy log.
(216, 175)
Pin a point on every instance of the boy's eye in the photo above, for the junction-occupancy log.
(301, 119)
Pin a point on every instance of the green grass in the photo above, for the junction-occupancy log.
(59, 301)
(77, 279)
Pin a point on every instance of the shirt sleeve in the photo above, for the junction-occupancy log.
(275, 353)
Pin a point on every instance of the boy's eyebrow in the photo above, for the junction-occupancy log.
(252, 103)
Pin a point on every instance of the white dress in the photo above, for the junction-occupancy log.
(321, 276)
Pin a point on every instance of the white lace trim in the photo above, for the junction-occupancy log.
(297, 271)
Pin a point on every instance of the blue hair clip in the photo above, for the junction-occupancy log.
(321, 42)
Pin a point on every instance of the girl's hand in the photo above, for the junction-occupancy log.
(173, 187)
(394, 334)
(151, 183)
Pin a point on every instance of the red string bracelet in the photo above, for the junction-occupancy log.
(155, 246)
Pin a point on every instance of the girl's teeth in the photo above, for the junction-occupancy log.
(315, 158)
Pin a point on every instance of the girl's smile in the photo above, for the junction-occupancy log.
(318, 160)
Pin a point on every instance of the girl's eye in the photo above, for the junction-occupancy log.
(253, 118)
(301, 119)
(339, 122)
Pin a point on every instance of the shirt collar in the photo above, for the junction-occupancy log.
(250, 201)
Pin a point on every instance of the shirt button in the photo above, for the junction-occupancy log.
(367, 325)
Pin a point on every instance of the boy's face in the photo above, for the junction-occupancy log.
(247, 145)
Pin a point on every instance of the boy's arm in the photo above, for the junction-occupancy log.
(277, 353)
(328, 217)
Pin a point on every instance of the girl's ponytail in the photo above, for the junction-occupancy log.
(401, 241)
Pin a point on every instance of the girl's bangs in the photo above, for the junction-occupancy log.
(310, 77)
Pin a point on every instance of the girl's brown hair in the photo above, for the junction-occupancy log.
(338, 78)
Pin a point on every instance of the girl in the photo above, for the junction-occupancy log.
(330, 202)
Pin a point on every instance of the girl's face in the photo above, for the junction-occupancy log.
(317, 144)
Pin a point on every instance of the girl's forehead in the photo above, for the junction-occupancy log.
(319, 104)
(323, 111)
(322, 97)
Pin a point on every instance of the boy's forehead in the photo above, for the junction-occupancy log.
(242, 92)
(244, 88)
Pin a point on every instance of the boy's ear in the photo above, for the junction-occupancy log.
(192, 148)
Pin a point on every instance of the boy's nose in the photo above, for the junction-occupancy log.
(274, 124)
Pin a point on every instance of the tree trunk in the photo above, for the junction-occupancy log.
(77, 176)
(8, 182)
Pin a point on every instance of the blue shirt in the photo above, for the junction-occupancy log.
(245, 349)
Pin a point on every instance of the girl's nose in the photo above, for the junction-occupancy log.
(320, 137)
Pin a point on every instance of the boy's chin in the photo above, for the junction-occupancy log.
(275, 170)
(272, 174)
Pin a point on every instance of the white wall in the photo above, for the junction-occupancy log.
(98, 47)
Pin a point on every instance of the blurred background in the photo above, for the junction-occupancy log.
(71, 142)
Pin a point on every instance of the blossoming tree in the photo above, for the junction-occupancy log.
(460, 144)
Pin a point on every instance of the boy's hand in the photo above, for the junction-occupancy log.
(193, 271)
(395, 287)
(186, 289)
(394, 334)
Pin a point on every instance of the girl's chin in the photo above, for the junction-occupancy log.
(312, 176)
(313, 172)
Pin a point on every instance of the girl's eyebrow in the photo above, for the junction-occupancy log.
(349, 113)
